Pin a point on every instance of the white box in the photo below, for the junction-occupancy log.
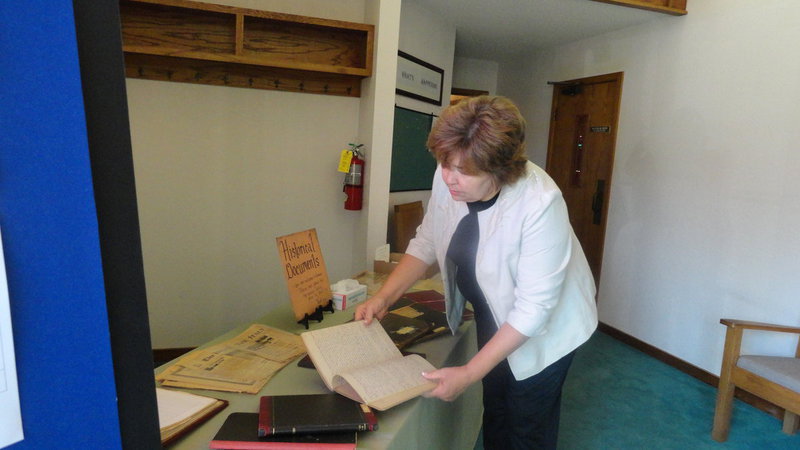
(344, 298)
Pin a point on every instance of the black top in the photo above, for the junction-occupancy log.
(462, 252)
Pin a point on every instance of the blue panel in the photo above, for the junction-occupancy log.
(50, 234)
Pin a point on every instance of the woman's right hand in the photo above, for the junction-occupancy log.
(375, 307)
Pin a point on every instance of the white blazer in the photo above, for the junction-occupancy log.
(529, 265)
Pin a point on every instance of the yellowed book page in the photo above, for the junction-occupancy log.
(432, 284)
(390, 382)
(348, 346)
(407, 311)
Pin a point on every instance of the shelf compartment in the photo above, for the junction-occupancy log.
(185, 41)
(311, 46)
(172, 31)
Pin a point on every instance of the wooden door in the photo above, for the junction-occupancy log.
(580, 154)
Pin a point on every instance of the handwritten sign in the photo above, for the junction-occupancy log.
(304, 271)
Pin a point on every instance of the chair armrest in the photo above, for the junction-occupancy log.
(747, 325)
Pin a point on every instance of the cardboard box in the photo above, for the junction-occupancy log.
(343, 299)
(394, 259)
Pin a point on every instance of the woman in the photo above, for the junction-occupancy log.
(498, 227)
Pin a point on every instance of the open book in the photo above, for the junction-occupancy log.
(179, 412)
(362, 363)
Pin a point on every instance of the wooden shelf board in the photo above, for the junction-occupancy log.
(185, 70)
(671, 7)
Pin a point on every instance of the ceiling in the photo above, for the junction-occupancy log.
(493, 29)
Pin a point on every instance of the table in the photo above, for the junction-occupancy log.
(421, 423)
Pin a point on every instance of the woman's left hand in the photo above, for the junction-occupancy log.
(452, 382)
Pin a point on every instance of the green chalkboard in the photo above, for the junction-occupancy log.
(412, 165)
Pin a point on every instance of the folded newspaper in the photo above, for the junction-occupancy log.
(242, 364)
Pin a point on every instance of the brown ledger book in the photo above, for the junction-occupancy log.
(362, 363)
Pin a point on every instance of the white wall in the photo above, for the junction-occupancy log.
(221, 172)
(432, 39)
(377, 124)
(705, 198)
(475, 74)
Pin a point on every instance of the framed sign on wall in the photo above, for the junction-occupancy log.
(418, 79)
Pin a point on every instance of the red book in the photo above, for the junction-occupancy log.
(313, 413)
(240, 432)
(432, 299)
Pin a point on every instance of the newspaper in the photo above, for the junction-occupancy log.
(242, 364)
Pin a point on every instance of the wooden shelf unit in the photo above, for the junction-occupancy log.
(185, 41)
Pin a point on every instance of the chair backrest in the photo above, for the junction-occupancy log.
(797, 352)
(407, 217)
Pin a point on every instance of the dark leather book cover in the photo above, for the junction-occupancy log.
(404, 330)
(313, 413)
(428, 306)
(240, 432)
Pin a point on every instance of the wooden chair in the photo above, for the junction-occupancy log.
(773, 378)
(407, 217)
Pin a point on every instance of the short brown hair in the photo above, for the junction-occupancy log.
(488, 132)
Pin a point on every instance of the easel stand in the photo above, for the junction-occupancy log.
(317, 314)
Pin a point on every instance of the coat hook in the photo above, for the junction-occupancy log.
(197, 76)
(250, 81)
(141, 71)
(301, 86)
(349, 90)
(325, 88)
(277, 84)
(225, 79)
(169, 75)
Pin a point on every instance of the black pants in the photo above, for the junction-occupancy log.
(523, 414)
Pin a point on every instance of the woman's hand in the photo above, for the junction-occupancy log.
(408, 270)
(452, 382)
(375, 307)
(455, 380)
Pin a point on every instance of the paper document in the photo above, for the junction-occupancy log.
(242, 364)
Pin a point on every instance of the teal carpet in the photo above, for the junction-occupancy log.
(616, 397)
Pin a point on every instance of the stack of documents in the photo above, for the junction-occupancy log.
(242, 364)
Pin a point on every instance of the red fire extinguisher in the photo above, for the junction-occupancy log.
(354, 180)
